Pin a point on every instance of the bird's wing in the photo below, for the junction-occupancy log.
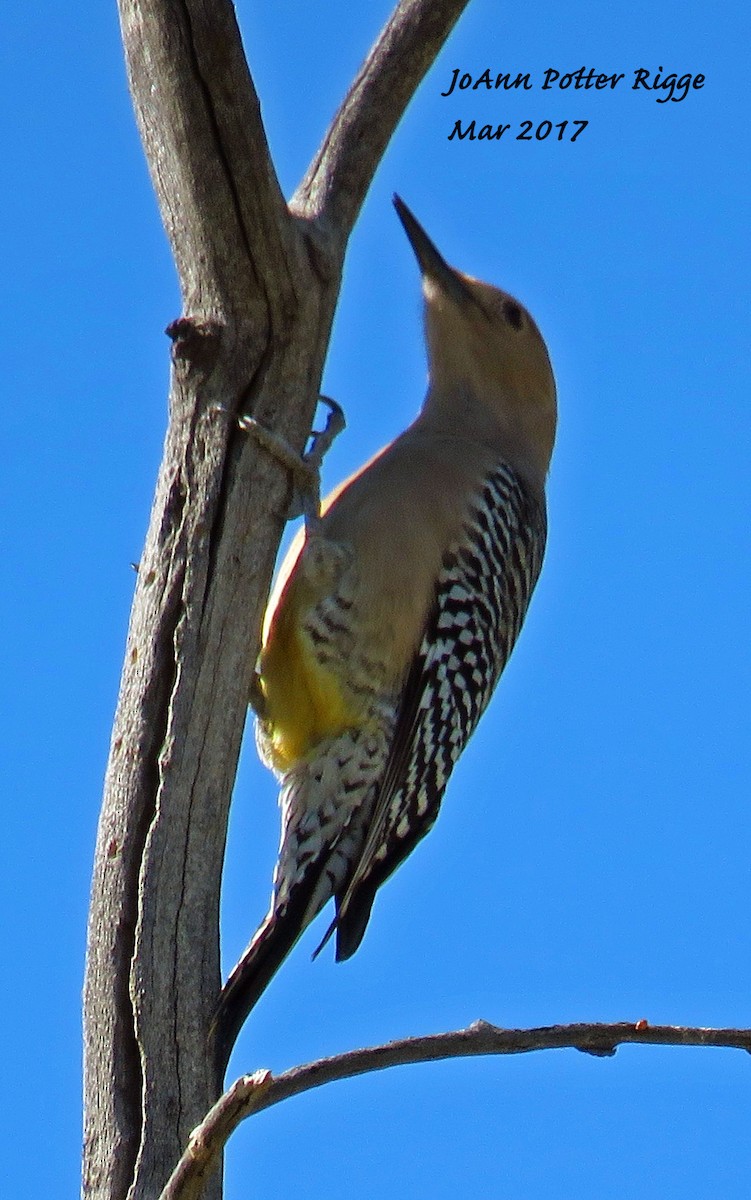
(482, 594)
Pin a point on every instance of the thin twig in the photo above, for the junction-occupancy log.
(253, 1093)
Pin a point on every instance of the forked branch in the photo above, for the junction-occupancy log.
(259, 283)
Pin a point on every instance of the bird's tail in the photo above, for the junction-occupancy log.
(270, 945)
(321, 842)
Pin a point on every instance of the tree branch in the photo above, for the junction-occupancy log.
(203, 137)
(259, 287)
(253, 1093)
(339, 176)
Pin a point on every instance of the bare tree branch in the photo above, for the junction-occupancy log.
(252, 1093)
(259, 285)
(207, 1141)
(200, 123)
(339, 176)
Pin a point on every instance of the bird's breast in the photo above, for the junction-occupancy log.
(324, 667)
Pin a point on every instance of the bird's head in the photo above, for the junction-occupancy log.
(489, 366)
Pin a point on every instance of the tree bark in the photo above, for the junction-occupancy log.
(259, 282)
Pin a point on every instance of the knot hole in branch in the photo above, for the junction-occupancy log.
(195, 342)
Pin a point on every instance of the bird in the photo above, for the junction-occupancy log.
(393, 616)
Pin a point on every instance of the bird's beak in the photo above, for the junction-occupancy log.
(432, 264)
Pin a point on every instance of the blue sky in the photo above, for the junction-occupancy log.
(592, 857)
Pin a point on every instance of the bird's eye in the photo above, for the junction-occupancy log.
(513, 314)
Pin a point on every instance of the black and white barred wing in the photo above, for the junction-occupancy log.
(482, 595)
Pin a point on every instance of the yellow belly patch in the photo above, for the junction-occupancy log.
(304, 701)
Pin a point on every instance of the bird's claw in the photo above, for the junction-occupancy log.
(305, 468)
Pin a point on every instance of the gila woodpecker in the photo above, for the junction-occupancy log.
(393, 617)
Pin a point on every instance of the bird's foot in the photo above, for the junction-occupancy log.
(305, 468)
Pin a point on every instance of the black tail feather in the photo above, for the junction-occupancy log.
(268, 949)
(352, 920)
